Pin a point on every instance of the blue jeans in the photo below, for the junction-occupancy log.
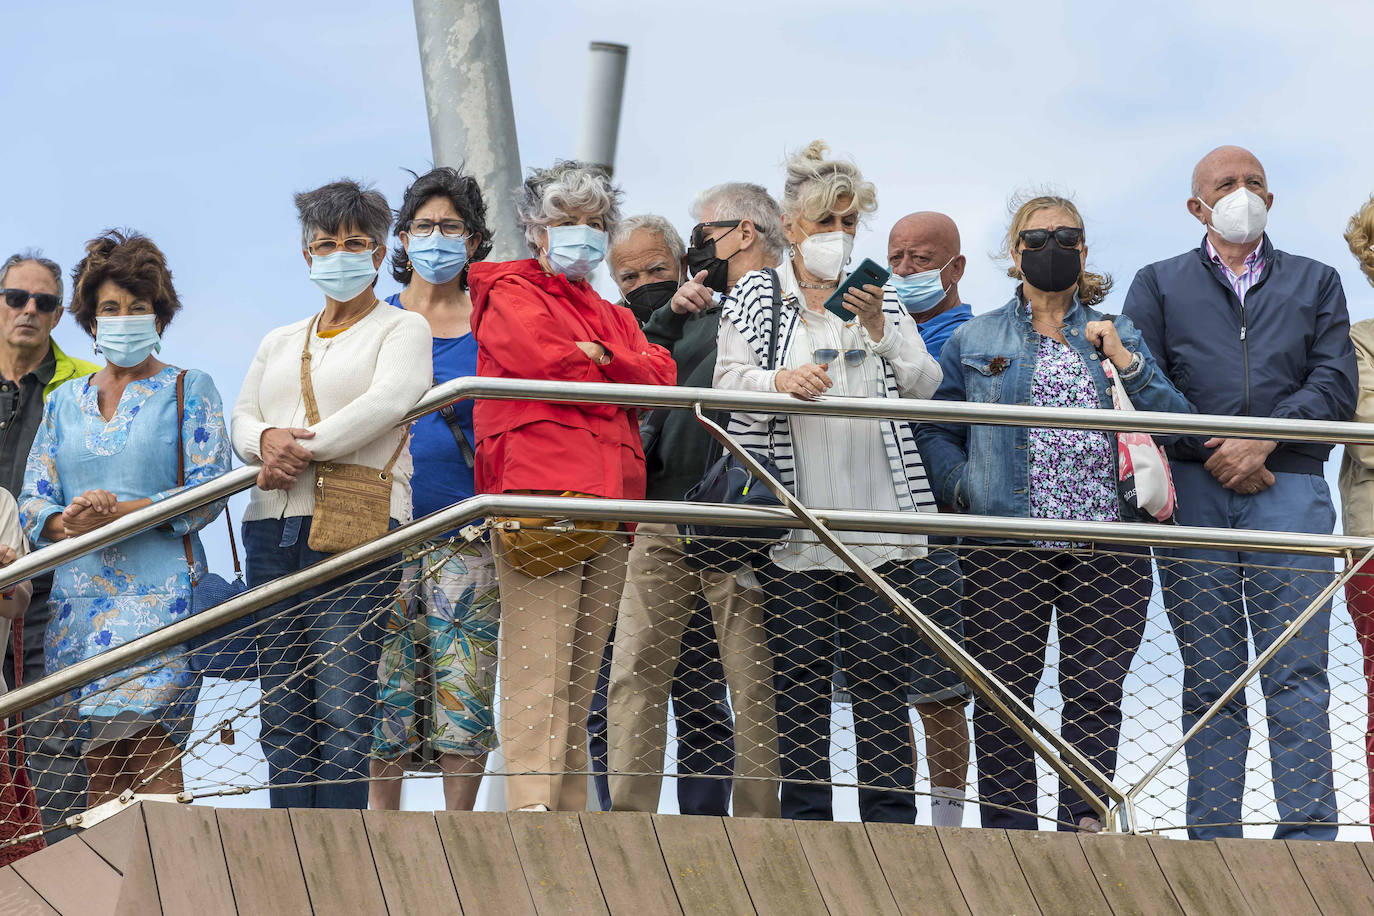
(705, 729)
(1209, 606)
(318, 660)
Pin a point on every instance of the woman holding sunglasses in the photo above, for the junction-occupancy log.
(1045, 348)
(816, 606)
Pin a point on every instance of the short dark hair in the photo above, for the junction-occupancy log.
(131, 261)
(341, 204)
(466, 197)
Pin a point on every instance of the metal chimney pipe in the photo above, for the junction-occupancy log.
(471, 119)
(601, 106)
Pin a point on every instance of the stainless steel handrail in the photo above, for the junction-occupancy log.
(632, 510)
(242, 478)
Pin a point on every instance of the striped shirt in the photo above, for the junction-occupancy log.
(830, 478)
(1254, 267)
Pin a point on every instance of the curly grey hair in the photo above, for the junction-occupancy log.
(568, 188)
(35, 256)
(653, 223)
(743, 200)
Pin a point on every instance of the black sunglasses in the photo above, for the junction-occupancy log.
(698, 237)
(18, 298)
(1064, 236)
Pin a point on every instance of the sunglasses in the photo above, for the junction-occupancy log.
(698, 236)
(1064, 237)
(19, 298)
(852, 358)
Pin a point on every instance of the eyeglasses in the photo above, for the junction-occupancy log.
(1064, 237)
(354, 244)
(827, 355)
(448, 228)
(698, 237)
(17, 299)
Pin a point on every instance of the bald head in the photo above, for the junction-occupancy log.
(1224, 162)
(927, 241)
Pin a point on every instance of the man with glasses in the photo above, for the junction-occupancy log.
(32, 366)
(1245, 329)
(739, 230)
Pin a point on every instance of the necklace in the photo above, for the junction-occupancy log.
(350, 321)
(831, 285)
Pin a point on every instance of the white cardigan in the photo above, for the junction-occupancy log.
(366, 379)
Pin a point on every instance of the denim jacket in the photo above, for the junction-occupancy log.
(985, 470)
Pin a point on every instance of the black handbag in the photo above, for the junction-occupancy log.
(229, 651)
(728, 481)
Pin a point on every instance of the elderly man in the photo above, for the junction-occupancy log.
(923, 254)
(646, 259)
(1245, 329)
(739, 229)
(31, 367)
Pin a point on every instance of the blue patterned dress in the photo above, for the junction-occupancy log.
(131, 588)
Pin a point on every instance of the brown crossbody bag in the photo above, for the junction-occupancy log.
(352, 501)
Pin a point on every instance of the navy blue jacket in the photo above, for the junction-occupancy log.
(1285, 353)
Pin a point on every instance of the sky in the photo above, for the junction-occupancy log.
(195, 123)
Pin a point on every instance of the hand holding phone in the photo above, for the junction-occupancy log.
(867, 273)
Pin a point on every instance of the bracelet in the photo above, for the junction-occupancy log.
(1134, 366)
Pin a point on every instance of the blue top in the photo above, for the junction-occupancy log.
(1284, 352)
(442, 476)
(993, 359)
(112, 595)
(938, 329)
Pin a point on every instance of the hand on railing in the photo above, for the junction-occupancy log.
(14, 601)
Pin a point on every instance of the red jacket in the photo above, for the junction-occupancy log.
(526, 323)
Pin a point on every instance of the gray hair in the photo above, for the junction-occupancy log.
(342, 204)
(568, 188)
(743, 200)
(34, 255)
(653, 223)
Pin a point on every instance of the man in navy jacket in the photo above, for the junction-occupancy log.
(1244, 329)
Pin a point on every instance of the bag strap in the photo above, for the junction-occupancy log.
(777, 316)
(464, 446)
(181, 482)
(312, 408)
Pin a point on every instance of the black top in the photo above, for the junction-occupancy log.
(21, 410)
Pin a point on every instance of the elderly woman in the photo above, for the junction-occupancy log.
(1045, 347)
(541, 319)
(816, 607)
(357, 366)
(449, 611)
(1357, 476)
(110, 444)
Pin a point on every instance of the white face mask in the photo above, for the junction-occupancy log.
(1239, 217)
(825, 253)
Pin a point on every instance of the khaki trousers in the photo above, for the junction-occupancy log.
(661, 592)
(553, 633)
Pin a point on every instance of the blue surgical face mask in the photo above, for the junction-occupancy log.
(920, 292)
(127, 340)
(436, 257)
(343, 274)
(575, 251)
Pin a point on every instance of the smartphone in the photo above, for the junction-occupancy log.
(867, 273)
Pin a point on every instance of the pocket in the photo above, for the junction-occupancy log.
(983, 374)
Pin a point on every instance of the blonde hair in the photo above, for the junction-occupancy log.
(815, 185)
(1092, 287)
(1359, 235)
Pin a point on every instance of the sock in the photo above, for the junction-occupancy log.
(946, 806)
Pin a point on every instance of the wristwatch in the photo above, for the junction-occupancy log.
(1135, 365)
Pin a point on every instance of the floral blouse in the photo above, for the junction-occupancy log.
(1072, 471)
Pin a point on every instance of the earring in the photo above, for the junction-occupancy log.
(791, 251)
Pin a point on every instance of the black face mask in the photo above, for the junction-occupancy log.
(1052, 268)
(703, 257)
(649, 298)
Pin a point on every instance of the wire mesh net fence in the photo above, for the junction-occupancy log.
(624, 672)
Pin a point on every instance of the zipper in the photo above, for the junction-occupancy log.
(1245, 355)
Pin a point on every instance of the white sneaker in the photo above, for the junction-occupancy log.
(534, 808)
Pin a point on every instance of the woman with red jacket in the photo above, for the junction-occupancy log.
(541, 319)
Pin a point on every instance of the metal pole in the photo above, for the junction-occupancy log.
(601, 105)
(471, 118)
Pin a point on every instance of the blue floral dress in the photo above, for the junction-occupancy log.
(1072, 471)
(131, 588)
